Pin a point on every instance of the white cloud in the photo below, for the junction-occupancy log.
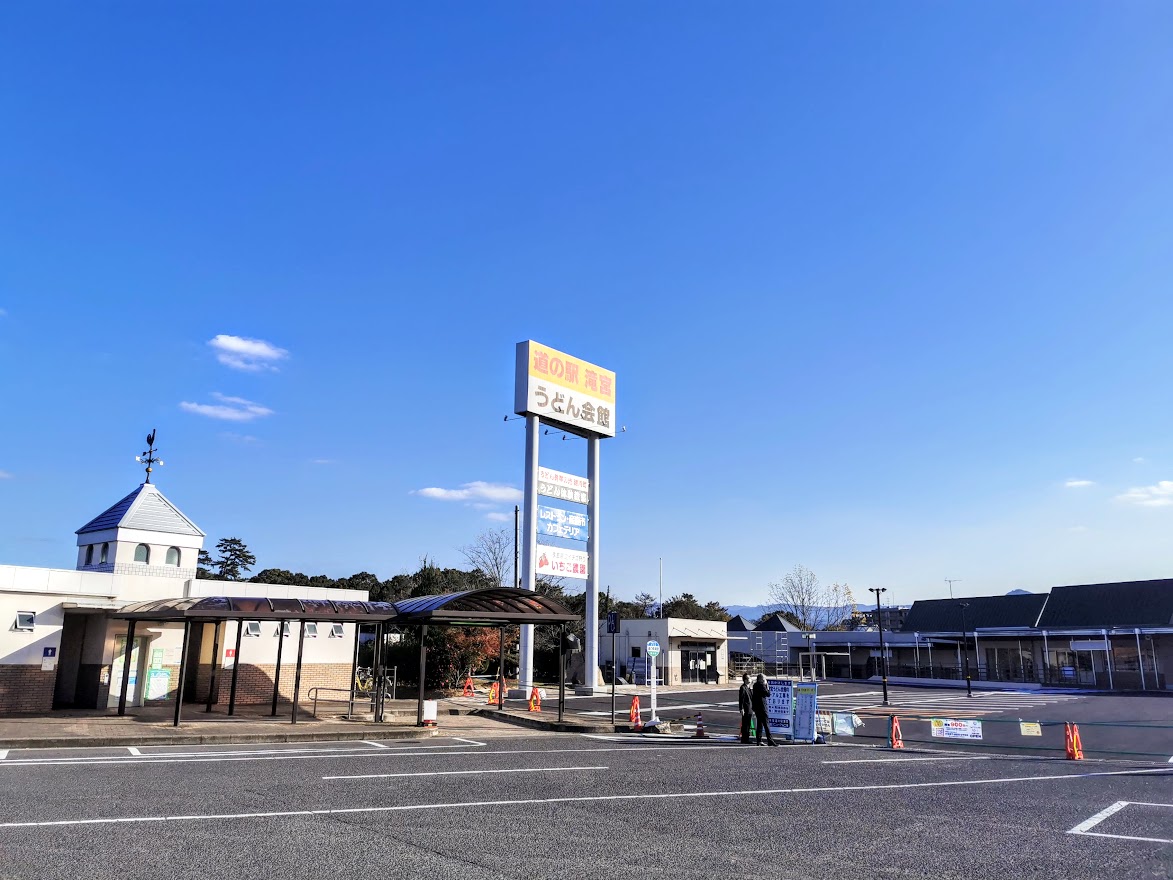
(242, 353)
(1140, 459)
(499, 517)
(1078, 484)
(230, 409)
(1078, 529)
(4, 475)
(244, 439)
(1160, 495)
(478, 490)
(322, 461)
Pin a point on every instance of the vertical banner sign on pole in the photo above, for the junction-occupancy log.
(577, 397)
(780, 706)
(653, 649)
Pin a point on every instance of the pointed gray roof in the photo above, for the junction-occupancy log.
(145, 508)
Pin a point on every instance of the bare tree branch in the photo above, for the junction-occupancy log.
(814, 606)
(492, 553)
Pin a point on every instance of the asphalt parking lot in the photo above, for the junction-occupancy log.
(1111, 725)
(539, 805)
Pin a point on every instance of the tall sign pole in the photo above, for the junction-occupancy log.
(529, 551)
(591, 644)
(577, 397)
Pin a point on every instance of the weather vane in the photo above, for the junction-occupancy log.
(148, 457)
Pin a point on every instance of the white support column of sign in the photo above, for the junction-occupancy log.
(591, 624)
(529, 551)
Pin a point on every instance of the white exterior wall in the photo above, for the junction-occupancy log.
(46, 592)
(670, 632)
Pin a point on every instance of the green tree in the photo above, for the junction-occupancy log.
(235, 559)
(280, 576)
(205, 565)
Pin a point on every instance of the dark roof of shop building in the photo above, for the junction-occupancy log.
(737, 623)
(1127, 603)
(777, 623)
(982, 612)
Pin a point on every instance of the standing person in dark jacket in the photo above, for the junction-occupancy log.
(761, 691)
(745, 704)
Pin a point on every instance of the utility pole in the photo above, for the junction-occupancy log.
(661, 587)
(965, 640)
(880, 627)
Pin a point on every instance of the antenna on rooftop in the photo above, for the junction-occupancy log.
(148, 457)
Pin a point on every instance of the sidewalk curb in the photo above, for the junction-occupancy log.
(538, 723)
(195, 739)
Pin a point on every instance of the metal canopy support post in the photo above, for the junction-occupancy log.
(591, 623)
(561, 670)
(1140, 660)
(215, 665)
(182, 671)
(126, 655)
(235, 668)
(419, 709)
(377, 663)
(354, 670)
(277, 670)
(501, 663)
(297, 670)
(1108, 659)
(1046, 658)
(529, 552)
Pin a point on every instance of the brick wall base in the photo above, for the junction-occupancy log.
(25, 688)
(254, 682)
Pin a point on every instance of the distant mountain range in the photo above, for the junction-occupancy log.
(753, 612)
(749, 612)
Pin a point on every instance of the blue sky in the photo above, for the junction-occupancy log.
(886, 286)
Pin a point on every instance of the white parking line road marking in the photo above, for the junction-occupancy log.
(4, 754)
(907, 760)
(466, 772)
(334, 753)
(679, 795)
(375, 744)
(1098, 817)
(471, 742)
(1084, 828)
(133, 751)
(234, 755)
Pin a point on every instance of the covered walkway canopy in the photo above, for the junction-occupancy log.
(495, 606)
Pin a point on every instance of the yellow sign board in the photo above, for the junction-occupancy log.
(1030, 728)
(558, 388)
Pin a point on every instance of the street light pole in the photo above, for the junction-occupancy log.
(880, 627)
(965, 641)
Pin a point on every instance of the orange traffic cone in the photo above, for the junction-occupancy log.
(468, 689)
(700, 726)
(1071, 743)
(634, 715)
(535, 700)
(895, 741)
(494, 693)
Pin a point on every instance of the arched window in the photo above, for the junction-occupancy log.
(173, 556)
(142, 553)
(89, 554)
(105, 553)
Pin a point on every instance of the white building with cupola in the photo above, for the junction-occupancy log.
(60, 647)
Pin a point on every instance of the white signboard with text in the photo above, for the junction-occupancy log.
(953, 728)
(780, 706)
(558, 562)
(562, 390)
(568, 487)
